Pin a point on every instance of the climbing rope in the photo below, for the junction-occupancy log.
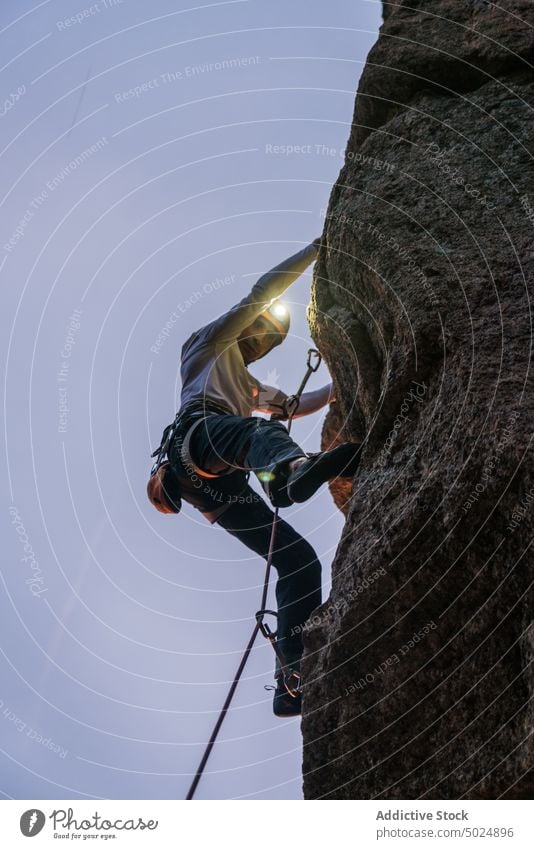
(291, 679)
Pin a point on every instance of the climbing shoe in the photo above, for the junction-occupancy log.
(284, 704)
(309, 475)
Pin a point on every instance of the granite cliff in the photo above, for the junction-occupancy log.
(417, 666)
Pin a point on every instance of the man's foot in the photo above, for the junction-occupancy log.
(308, 476)
(284, 704)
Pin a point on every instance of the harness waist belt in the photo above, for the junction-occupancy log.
(204, 406)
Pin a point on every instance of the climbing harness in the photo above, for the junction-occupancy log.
(291, 678)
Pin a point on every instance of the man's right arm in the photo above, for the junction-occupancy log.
(270, 286)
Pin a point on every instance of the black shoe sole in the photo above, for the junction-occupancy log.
(342, 461)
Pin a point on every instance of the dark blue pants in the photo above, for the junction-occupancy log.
(224, 443)
(298, 588)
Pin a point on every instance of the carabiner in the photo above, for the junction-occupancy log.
(264, 627)
(313, 352)
(294, 689)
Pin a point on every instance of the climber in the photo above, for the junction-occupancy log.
(215, 442)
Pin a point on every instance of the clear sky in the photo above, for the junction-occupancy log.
(155, 158)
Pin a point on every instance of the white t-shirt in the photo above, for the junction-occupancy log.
(212, 367)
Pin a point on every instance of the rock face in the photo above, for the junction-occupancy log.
(417, 666)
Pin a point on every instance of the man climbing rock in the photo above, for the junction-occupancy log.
(215, 442)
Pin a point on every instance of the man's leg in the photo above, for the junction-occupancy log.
(298, 588)
(225, 443)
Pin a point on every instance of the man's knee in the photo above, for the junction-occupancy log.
(305, 553)
(312, 568)
(297, 552)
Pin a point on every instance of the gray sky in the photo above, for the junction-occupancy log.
(144, 172)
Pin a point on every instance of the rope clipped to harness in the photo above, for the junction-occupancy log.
(291, 678)
(162, 490)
